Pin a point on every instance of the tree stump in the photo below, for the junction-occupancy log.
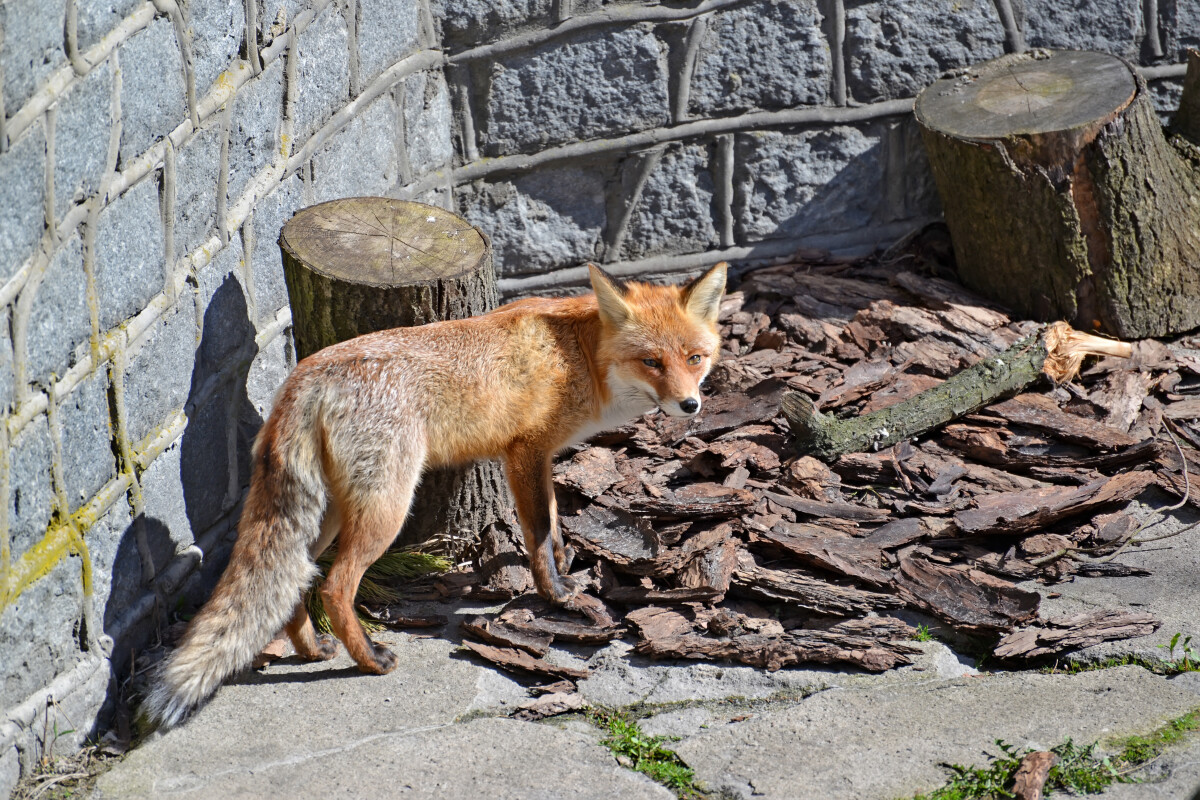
(1063, 197)
(364, 264)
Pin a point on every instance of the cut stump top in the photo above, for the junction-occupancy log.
(379, 241)
(1027, 94)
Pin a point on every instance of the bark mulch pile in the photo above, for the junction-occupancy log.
(712, 538)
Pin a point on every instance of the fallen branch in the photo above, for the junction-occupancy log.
(1055, 351)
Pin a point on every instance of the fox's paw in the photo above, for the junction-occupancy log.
(382, 661)
(563, 558)
(562, 591)
(327, 648)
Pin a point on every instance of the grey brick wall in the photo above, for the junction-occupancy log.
(151, 151)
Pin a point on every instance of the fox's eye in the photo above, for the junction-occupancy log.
(694, 359)
(650, 362)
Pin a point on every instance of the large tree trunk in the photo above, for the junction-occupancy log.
(364, 264)
(1063, 197)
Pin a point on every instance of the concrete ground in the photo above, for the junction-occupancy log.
(439, 726)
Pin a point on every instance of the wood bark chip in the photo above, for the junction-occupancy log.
(1056, 635)
(806, 591)
(522, 662)
(969, 599)
(536, 643)
(1031, 775)
(1035, 509)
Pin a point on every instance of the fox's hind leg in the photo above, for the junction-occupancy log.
(370, 523)
(309, 644)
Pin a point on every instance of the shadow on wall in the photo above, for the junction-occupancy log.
(195, 499)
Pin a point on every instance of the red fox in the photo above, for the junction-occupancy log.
(355, 425)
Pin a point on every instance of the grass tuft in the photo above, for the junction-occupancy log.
(646, 754)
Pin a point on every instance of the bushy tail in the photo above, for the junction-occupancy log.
(269, 569)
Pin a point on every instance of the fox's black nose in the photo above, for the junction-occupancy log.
(689, 405)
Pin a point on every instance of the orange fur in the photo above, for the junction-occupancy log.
(355, 425)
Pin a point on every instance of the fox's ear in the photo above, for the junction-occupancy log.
(609, 296)
(702, 297)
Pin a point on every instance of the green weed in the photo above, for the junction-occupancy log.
(923, 633)
(646, 754)
(1079, 770)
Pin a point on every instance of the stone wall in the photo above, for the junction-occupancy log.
(150, 151)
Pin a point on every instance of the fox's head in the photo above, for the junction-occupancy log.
(660, 341)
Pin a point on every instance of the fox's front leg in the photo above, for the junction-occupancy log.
(528, 470)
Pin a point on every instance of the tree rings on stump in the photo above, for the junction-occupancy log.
(364, 264)
(1063, 198)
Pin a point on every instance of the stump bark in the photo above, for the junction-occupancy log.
(1063, 197)
(360, 265)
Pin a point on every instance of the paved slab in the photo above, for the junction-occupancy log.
(325, 730)
(438, 727)
(886, 741)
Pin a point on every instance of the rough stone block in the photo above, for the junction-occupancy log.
(217, 28)
(74, 715)
(31, 493)
(82, 129)
(7, 378)
(59, 326)
(10, 771)
(1165, 94)
(88, 461)
(33, 47)
(917, 193)
(22, 199)
(470, 22)
(254, 128)
(799, 184)
(162, 488)
(197, 166)
(1180, 27)
(387, 31)
(897, 49)
(541, 221)
(98, 17)
(600, 83)
(39, 632)
(274, 17)
(270, 289)
(428, 122)
(360, 159)
(674, 212)
(226, 316)
(199, 492)
(112, 568)
(1112, 26)
(764, 55)
(130, 265)
(158, 377)
(153, 95)
(323, 73)
(267, 373)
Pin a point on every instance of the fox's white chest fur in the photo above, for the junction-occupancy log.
(628, 403)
